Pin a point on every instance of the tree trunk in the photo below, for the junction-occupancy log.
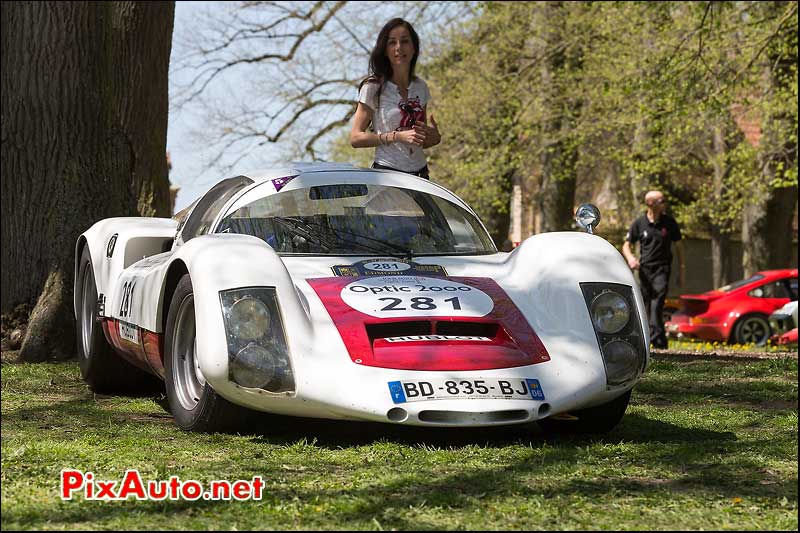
(556, 191)
(767, 226)
(639, 183)
(720, 239)
(85, 104)
(720, 256)
(767, 220)
(557, 188)
(498, 221)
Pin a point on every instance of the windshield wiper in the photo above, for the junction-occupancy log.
(399, 249)
(293, 225)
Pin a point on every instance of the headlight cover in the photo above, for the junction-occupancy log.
(610, 312)
(622, 362)
(258, 356)
(618, 328)
(249, 319)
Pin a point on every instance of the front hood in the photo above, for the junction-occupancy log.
(422, 317)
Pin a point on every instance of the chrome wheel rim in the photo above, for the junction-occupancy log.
(88, 311)
(189, 381)
(754, 331)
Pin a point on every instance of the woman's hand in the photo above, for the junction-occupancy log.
(431, 133)
(412, 137)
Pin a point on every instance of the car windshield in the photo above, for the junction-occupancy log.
(360, 219)
(736, 284)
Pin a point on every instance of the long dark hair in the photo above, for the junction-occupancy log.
(380, 68)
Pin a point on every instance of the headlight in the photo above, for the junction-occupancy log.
(618, 328)
(610, 312)
(253, 366)
(249, 319)
(258, 356)
(622, 362)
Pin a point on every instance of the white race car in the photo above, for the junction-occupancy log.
(324, 290)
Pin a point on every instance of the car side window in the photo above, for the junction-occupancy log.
(776, 289)
(202, 216)
(791, 285)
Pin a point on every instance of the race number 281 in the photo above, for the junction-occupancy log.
(418, 303)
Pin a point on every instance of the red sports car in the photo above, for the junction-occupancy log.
(736, 313)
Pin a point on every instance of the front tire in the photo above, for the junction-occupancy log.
(752, 329)
(102, 368)
(597, 420)
(195, 406)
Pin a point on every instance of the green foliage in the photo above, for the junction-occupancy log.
(641, 88)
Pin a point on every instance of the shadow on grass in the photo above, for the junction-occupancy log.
(731, 357)
(544, 468)
(86, 414)
(539, 469)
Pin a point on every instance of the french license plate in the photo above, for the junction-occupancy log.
(455, 389)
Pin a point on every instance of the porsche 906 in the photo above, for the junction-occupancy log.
(328, 291)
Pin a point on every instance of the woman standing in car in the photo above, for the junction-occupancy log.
(395, 102)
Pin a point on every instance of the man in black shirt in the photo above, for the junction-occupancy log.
(655, 232)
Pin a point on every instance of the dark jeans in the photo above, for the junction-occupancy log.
(654, 281)
(421, 173)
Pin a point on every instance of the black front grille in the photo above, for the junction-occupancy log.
(475, 329)
(398, 329)
(424, 327)
(463, 417)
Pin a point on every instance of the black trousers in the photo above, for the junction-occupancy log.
(654, 281)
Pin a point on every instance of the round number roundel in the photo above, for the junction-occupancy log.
(387, 266)
(401, 296)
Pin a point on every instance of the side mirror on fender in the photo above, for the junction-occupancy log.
(588, 217)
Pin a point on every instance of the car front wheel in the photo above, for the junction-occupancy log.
(597, 420)
(195, 406)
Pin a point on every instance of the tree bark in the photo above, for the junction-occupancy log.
(768, 215)
(556, 191)
(84, 120)
(720, 238)
(767, 229)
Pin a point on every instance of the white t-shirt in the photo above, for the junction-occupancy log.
(393, 113)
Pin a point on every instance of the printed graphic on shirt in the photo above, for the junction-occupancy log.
(411, 111)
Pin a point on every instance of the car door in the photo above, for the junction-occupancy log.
(771, 295)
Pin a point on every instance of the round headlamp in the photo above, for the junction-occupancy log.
(249, 319)
(610, 312)
(622, 362)
(253, 366)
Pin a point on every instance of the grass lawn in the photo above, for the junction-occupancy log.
(709, 442)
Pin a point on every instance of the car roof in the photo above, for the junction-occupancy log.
(779, 273)
(304, 175)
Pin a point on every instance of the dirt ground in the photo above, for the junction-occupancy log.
(12, 327)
